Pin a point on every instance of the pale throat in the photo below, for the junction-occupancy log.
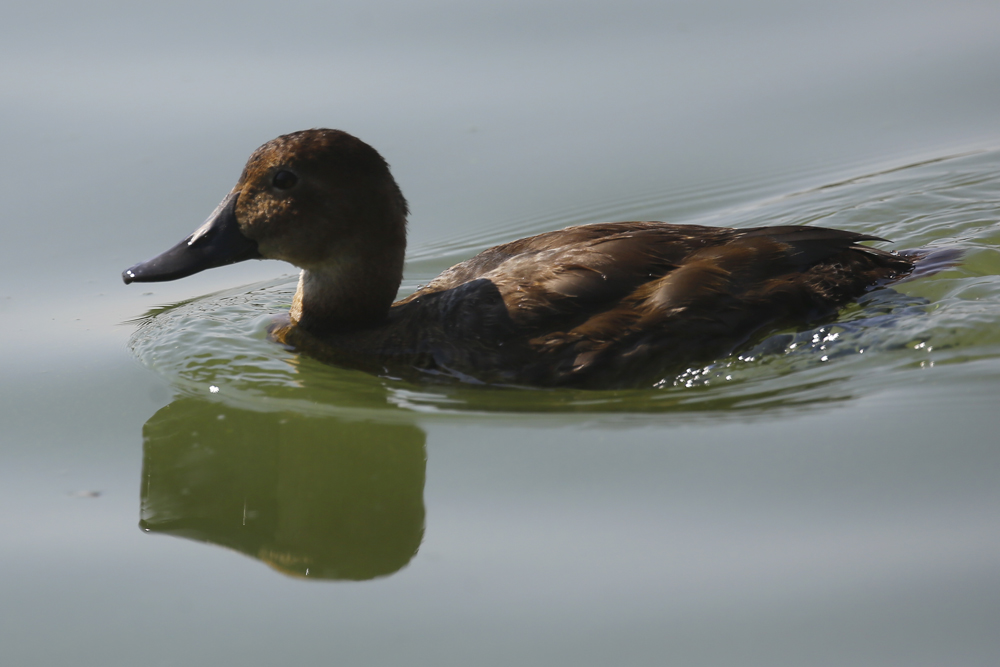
(319, 291)
(347, 294)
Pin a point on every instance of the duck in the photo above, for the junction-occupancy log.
(606, 305)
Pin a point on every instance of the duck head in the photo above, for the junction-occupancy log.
(320, 199)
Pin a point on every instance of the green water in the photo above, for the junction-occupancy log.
(176, 490)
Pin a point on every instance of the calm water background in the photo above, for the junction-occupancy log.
(829, 497)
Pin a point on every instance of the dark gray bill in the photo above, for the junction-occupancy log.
(216, 243)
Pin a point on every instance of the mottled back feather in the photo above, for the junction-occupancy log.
(612, 300)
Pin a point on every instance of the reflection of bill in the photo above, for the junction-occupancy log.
(318, 497)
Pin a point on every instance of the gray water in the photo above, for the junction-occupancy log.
(174, 489)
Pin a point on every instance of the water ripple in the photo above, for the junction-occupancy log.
(943, 327)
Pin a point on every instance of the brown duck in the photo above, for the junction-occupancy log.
(602, 305)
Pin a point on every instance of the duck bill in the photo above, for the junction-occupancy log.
(216, 243)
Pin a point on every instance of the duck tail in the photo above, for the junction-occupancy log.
(928, 261)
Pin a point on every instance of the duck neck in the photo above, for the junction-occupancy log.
(347, 295)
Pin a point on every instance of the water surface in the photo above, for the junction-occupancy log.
(175, 489)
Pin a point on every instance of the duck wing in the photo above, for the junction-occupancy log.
(599, 302)
(713, 300)
(559, 279)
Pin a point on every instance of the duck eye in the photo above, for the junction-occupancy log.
(284, 180)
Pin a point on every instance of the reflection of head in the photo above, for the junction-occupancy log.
(311, 496)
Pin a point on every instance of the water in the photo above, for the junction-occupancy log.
(175, 489)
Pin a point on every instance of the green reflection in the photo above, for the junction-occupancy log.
(312, 496)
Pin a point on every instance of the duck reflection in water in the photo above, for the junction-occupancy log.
(311, 496)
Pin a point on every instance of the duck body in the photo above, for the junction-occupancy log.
(601, 305)
(610, 305)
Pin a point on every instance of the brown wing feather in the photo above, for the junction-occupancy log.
(719, 297)
(559, 279)
(619, 300)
